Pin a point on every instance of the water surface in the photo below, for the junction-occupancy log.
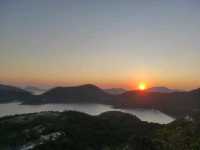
(149, 115)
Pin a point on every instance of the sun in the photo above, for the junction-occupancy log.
(142, 86)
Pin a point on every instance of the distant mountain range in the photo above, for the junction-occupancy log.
(161, 90)
(172, 102)
(115, 91)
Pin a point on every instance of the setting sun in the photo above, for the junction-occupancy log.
(142, 86)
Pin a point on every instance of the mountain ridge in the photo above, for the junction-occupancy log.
(82, 93)
(176, 104)
(11, 93)
(161, 89)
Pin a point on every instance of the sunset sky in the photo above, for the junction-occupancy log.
(111, 43)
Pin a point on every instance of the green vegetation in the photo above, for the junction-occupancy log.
(109, 131)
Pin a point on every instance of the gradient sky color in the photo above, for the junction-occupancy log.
(111, 43)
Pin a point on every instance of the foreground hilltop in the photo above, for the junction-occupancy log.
(71, 130)
(107, 131)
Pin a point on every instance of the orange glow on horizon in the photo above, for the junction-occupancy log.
(142, 86)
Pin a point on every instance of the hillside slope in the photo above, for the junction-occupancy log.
(108, 131)
(11, 93)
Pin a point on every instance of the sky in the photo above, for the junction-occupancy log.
(110, 43)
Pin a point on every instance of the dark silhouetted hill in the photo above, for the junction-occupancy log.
(175, 104)
(83, 93)
(11, 93)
